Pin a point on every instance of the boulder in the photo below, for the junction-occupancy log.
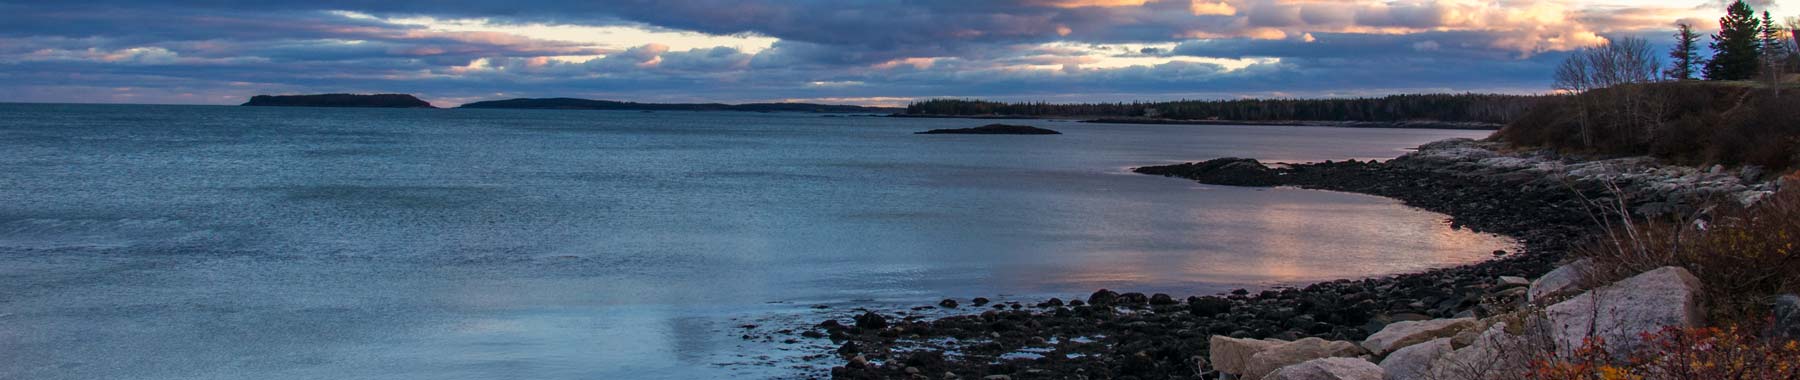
(871, 321)
(1414, 362)
(1787, 316)
(1511, 281)
(1495, 355)
(1566, 278)
(1296, 352)
(1329, 369)
(1621, 312)
(1232, 355)
(1406, 333)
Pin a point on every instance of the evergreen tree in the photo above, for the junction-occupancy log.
(1774, 48)
(1737, 48)
(1686, 54)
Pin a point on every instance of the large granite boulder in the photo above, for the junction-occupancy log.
(1398, 335)
(1564, 279)
(1495, 355)
(1621, 312)
(1414, 362)
(1296, 352)
(1329, 369)
(1232, 355)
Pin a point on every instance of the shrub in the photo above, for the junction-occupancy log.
(1743, 255)
(1695, 353)
(1693, 123)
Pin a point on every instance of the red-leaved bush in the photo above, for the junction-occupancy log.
(1694, 353)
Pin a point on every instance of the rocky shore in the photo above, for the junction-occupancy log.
(1540, 199)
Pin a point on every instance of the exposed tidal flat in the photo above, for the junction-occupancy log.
(222, 242)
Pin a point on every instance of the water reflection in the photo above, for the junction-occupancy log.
(160, 242)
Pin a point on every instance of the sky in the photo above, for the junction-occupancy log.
(880, 52)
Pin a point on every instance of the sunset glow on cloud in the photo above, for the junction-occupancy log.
(733, 51)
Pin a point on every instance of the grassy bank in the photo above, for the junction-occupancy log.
(1690, 123)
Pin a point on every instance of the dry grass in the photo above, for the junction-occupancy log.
(1693, 123)
(1680, 354)
(1743, 256)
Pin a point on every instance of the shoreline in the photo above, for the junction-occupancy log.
(1113, 334)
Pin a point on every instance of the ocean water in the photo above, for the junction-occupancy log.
(200, 242)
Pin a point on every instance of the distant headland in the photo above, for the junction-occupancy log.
(339, 100)
(588, 104)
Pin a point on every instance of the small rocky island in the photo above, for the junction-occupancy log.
(993, 129)
(340, 100)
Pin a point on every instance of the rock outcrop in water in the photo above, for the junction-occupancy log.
(993, 129)
(339, 100)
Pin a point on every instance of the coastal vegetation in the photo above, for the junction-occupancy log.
(587, 104)
(1621, 104)
(1685, 122)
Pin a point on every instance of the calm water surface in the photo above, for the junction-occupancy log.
(194, 242)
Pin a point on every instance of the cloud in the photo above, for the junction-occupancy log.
(750, 50)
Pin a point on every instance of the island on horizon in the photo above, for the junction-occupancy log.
(339, 100)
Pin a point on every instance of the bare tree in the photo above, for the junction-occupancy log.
(1618, 65)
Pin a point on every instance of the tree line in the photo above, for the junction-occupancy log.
(1622, 100)
(1480, 108)
(1745, 48)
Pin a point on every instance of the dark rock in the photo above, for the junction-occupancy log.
(1162, 299)
(1103, 297)
(1132, 299)
(979, 301)
(871, 321)
(994, 129)
(1224, 171)
(1206, 306)
(948, 303)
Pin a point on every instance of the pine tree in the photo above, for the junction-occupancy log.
(1737, 48)
(1774, 48)
(1686, 54)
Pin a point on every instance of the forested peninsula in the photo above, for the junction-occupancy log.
(1489, 111)
(588, 104)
